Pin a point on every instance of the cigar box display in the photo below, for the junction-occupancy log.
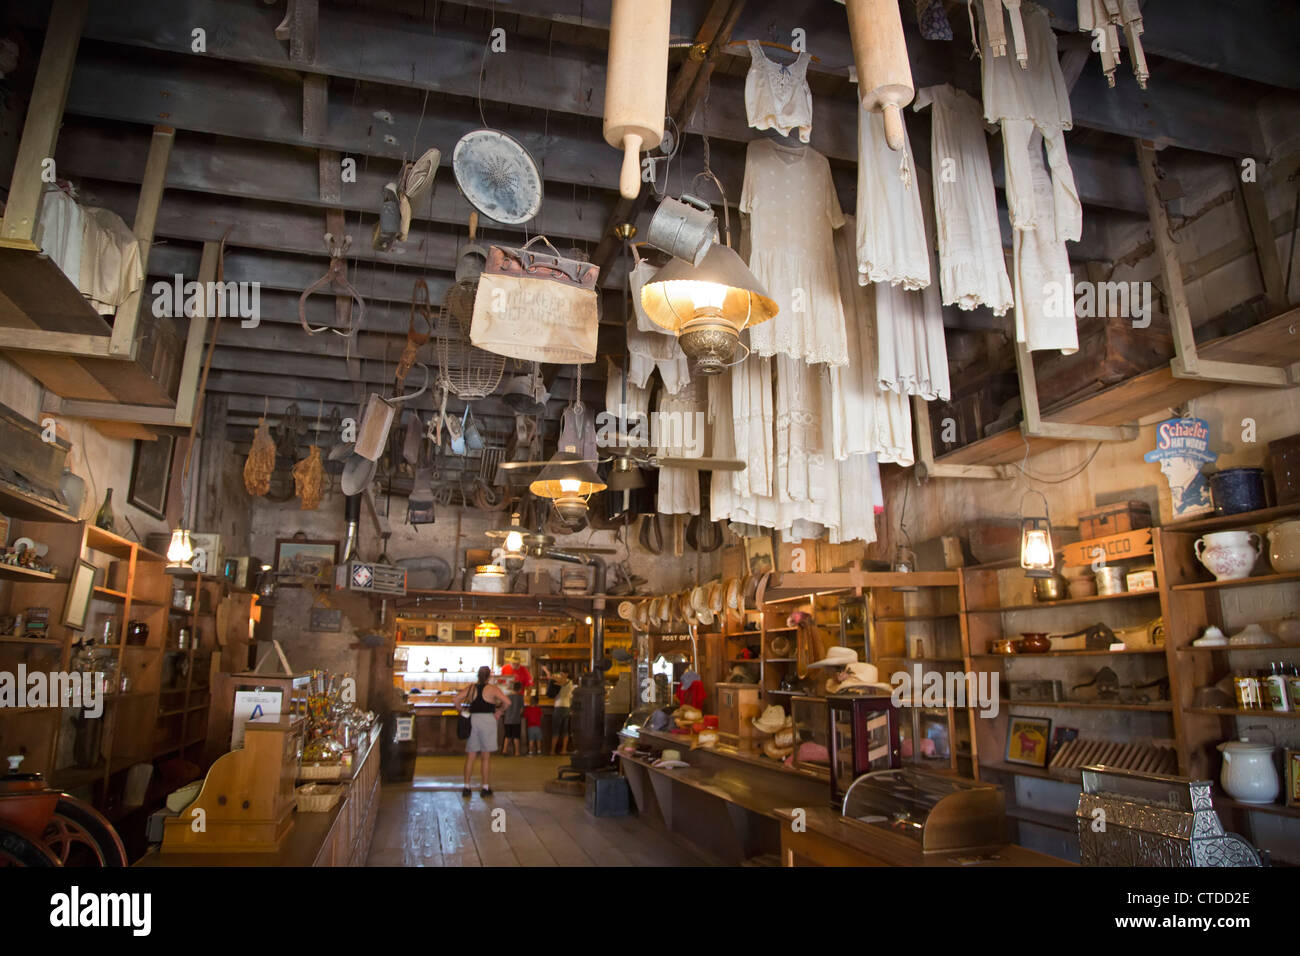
(939, 812)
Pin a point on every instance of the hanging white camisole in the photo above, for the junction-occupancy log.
(777, 95)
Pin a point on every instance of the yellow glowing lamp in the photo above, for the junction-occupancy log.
(569, 481)
(707, 306)
(486, 631)
(180, 549)
(1037, 552)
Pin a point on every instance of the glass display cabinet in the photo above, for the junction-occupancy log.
(863, 736)
(853, 626)
(811, 720)
(940, 813)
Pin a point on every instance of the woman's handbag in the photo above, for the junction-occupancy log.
(463, 723)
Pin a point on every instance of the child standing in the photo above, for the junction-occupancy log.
(533, 720)
(513, 714)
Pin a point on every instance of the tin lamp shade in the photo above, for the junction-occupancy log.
(569, 481)
(707, 305)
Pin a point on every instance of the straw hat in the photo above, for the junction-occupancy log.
(837, 657)
(685, 716)
(706, 617)
(772, 719)
(700, 599)
(715, 596)
(780, 646)
(857, 675)
(689, 614)
(641, 615)
(731, 591)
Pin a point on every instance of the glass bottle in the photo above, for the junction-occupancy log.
(1275, 696)
(104, 517)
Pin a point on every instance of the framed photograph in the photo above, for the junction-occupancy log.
(151, 474)
(1027, 740)
(80, 590)
(309, 561)
(1292, 777)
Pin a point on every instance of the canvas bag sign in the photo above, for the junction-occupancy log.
(536, 305)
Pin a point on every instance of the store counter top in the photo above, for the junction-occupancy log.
(340, 837)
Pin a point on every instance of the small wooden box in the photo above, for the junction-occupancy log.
(1114, 518)
(738, 705)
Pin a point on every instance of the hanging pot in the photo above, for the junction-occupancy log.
(684, 228)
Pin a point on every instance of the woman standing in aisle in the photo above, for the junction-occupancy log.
(563, 696)
(486, 705)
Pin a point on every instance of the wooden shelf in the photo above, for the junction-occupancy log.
(108, 594)
(1066, 602)
(1140, 650)
(1223, 800)
(17, 503)
(1027, 771)
(1218, 522)
(1164, 707)
(1045, 818)
(14, 572)
(1233, 712)
(1241, 582)
(14, 639)
(1238, 648)
(1268, 343)
(893, 618)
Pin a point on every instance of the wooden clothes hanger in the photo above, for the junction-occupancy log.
(774, 46)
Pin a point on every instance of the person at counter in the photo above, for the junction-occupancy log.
(516, 668)
(487, 703)
(514, 714)
(562, 693)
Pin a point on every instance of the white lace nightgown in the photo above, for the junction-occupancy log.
(681, 425)
(777, 95)
(794, 211)
(972, 268)
(865, 419)
(1045, 317)
(912, 355)
(891, 231)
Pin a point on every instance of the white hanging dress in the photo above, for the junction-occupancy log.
(865, 419)
(790, 199)
(891, 231)
(1023, 100)
(1045, 317)
(679, 488)
(972, 268)
(777, 95)
(911, 352)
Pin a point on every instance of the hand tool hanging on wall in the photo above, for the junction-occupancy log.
(880, 53)
(415, 340)
(636, 83)
(334, 277)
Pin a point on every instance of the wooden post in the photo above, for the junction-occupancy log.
(1261, 230)
(124, 342)
(41, 128)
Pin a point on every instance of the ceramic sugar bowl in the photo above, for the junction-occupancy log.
(1284, 545)
(1229, 555)
(1248, 773)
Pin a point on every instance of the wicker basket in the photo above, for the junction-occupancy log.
(317, 798)
(320, 771)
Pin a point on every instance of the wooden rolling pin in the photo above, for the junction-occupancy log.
(636, 83)
(880, 54)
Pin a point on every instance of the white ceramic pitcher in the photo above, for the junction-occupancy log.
(1284, 545)
(1229, 555)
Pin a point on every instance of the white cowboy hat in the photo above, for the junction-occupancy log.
(776, 753)
(858, 674)
(733, 595)
(715, 596)
(772, 719)
(700, 599)
(837, 657)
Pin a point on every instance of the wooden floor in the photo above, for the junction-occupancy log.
(429, 823)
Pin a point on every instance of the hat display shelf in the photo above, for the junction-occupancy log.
(919, 632)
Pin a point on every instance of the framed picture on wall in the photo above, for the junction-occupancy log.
(307, 561)
(151, 473)
(80, 590)
(1027, 740)
(1292, 777)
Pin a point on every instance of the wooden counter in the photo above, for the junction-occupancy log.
(735, 805)
(340, 837)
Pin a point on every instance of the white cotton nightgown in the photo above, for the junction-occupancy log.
(793, 210)
(891, 231)
(972, 268)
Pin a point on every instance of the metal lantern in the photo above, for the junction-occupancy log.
(707, 306)
(1037, 553)
(569, 481)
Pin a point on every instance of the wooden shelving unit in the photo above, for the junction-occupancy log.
(186, 693)
(120, 738)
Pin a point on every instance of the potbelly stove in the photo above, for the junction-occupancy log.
(1126, 818)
